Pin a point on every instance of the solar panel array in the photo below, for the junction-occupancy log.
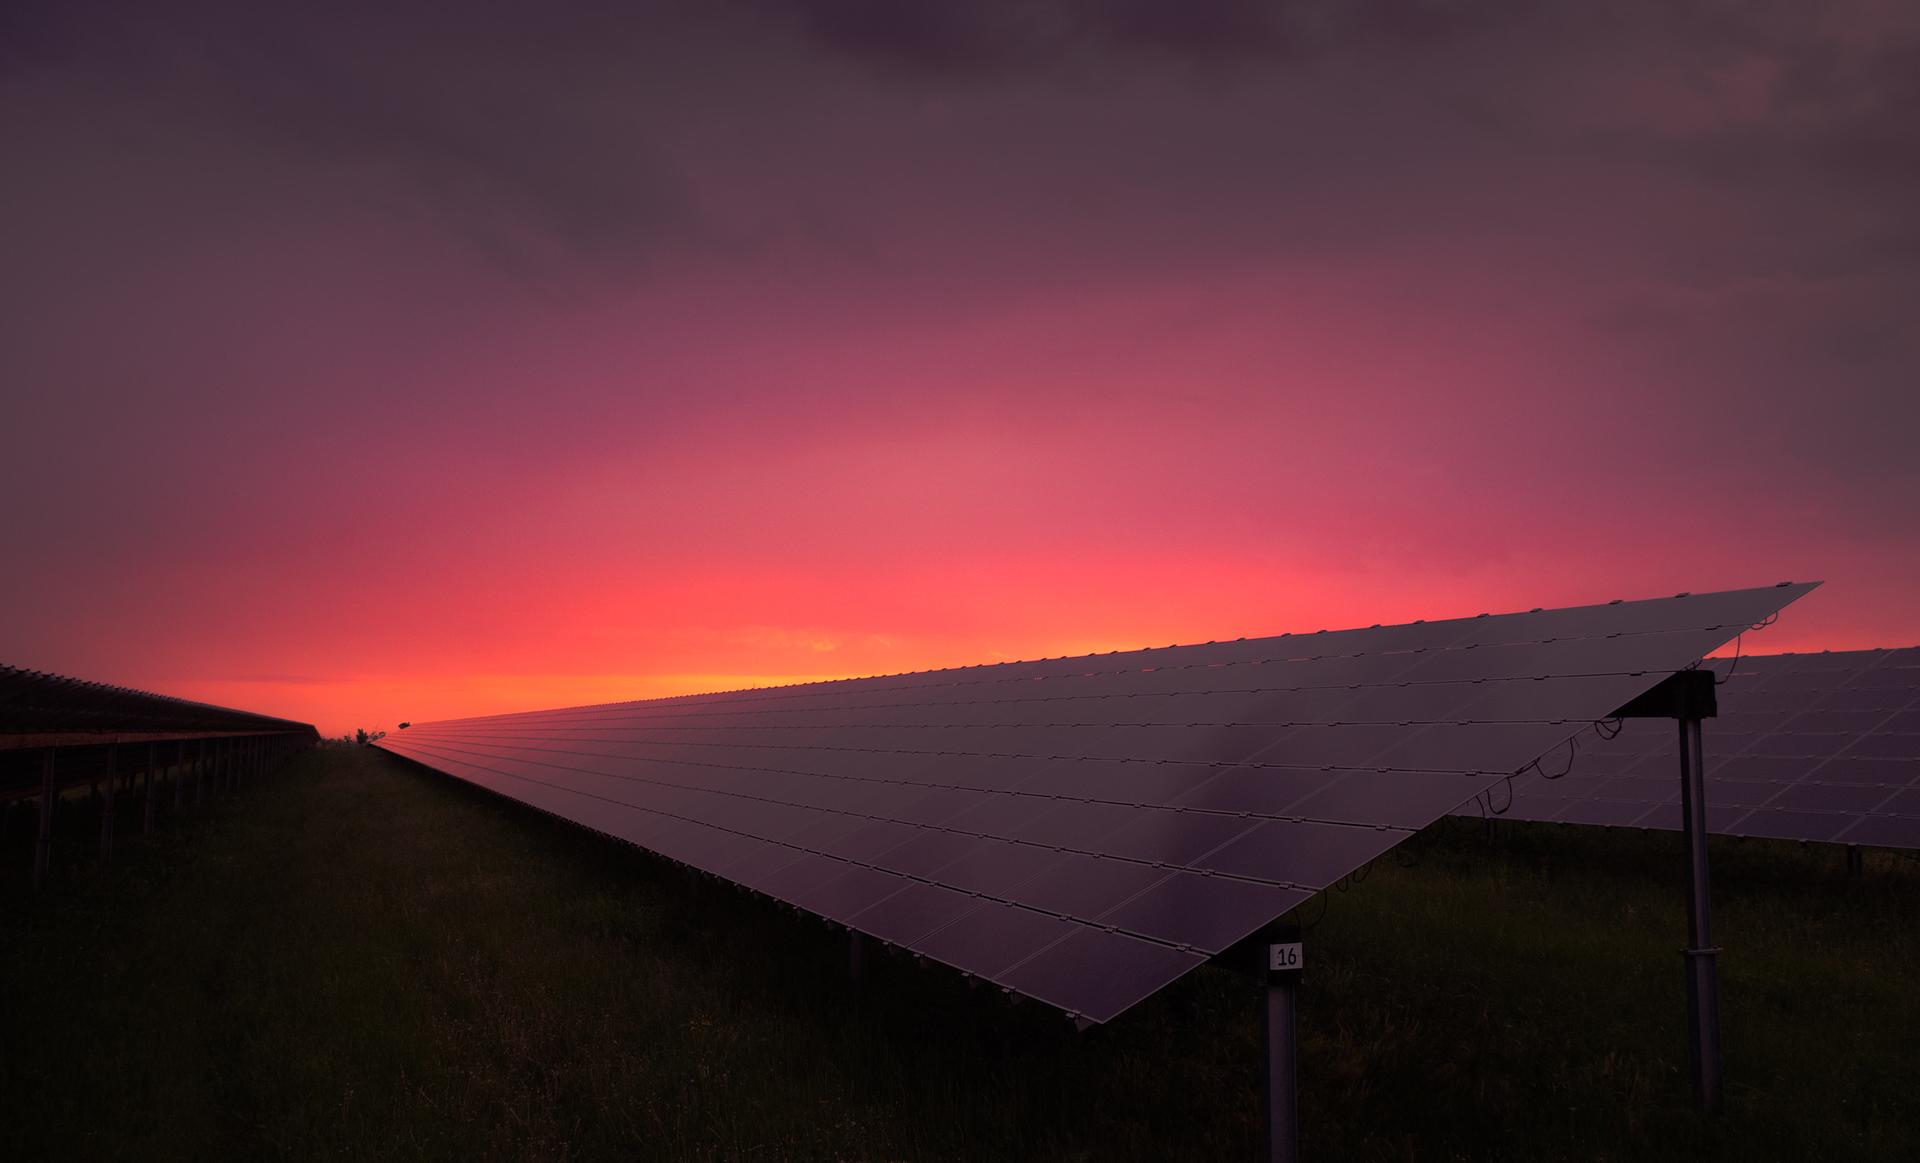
(1086, 830)
(49, 710)
(1806, 747)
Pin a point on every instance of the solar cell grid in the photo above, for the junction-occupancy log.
(1806, 747)
(1083, 830)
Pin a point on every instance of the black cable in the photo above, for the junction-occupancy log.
(1307, 926)
(1506, 807)
(1738, 640)
(1571, 751)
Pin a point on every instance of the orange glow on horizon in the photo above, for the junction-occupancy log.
(381, 701)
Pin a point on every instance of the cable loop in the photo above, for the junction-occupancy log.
(1572, 750)
(1739, 640)
(1504, 808)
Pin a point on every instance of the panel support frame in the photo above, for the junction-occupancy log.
(43, 839)
(856, 957)
(1688, 697)
(146, 789)
(1279, 1050)
(106, 805)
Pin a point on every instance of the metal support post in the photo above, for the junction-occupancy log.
(1856, 864)
(1703, 974)
(43, 844)
(146, 792)
(179, 776)
(200, 772)
(1284, 961)
(856, 957)
(1688, 697)
(106, 809)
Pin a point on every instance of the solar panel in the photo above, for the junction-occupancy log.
(1086, 830)
(1806, 747)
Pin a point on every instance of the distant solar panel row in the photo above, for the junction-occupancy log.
(1086, 830)
(50, 710)
(1806, 747)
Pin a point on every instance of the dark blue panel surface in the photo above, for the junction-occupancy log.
(1805, 747)
(1084, 830)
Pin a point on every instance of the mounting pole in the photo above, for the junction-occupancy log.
(856, 957)
(1703, 974)
(1282, 1092)
(146, 789)
(43, 844)
(106, 808)
(1688, 696)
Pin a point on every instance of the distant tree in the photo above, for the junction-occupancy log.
(359, 734)
(404, 726)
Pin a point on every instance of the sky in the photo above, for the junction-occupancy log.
(368, 362)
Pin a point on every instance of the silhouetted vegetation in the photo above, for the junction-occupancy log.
(358, 958)
(359, 737)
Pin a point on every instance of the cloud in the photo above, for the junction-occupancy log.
(496, 127)
(363, 319)
(991, 38)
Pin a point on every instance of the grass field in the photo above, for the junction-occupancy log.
(359, 959)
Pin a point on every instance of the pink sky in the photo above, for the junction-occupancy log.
(359, 373)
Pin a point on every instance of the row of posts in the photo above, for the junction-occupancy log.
(199, 765)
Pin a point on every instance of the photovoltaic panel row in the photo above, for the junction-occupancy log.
(1806, 747)
(1085, 830)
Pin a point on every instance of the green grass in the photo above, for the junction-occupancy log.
(361, 959)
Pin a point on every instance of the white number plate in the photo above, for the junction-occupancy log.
(1284, 956)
